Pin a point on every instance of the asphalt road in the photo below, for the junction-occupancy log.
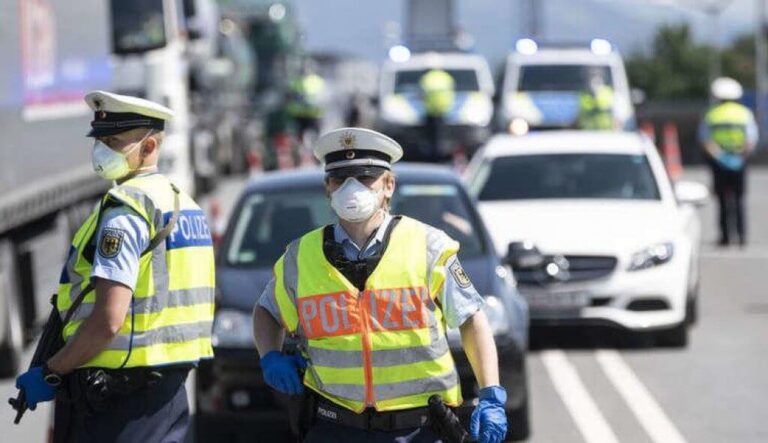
(589, 388)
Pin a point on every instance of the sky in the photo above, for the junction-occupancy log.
(365, 28)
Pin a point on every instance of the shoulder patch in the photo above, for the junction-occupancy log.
(460, 275)
(111, 242)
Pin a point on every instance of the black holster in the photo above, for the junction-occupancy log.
(88, 390)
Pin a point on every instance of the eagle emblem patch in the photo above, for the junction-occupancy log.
(347, 140)
(460, 275)
(111, 242)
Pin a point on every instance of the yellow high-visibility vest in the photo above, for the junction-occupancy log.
(439, 92)
(728, 126)
(385, 346)
(596, 109)
(171, 313)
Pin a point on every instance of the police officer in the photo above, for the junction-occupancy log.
(439, 95)
(305, 104)
(596, 103)
(728, 135)
(141, 269)
(368, 299)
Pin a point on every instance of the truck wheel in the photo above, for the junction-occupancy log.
(11, 336)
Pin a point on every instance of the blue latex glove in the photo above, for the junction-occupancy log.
(733, 162)
(36, 390)
(281, 371)
(489, 419)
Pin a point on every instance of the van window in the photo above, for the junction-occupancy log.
(408, 81)
(536, 78)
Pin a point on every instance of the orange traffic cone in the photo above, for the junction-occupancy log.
(649, 130)
(283, 144)
(671, 149)
(255, 164)
(460, 160)
(214, 217)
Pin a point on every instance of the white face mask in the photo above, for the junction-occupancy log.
(355, 202)
(110, 164)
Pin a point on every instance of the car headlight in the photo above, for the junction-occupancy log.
(232, 329)
(651, 256)
(396, 109)
(497, 315)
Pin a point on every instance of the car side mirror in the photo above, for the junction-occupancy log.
(691, 193)
(523, 255)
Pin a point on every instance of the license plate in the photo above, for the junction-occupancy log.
(557, 301)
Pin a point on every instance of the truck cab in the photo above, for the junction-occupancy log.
(402, 114)
(148, 44)
(542, 84)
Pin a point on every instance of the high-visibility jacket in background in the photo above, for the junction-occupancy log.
(727, 124)
(596, 109)
(439, 92)
(171, 313)
(385, 346)
(307, 92)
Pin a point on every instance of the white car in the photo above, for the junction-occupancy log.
(593, 228)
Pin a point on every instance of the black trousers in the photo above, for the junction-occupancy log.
(156, 414)
(730, 187)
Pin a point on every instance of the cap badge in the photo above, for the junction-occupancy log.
(350, 155)
(102, 115)
(347, 140)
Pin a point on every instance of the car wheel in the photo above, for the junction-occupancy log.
(692, 306)
(519, 422)
(676, 337)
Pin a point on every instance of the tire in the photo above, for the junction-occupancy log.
(519, 422)
(676, 337)
(12, 337)
(692, 306)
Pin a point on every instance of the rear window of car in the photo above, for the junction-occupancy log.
(566, 176)
(408, 81)
(267, 221)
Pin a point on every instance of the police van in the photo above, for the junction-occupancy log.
(542, 85)
(402, 114)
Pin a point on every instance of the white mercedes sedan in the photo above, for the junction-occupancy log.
(595, 232)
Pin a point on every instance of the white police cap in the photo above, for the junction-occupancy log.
(115, 113)
(356, 151)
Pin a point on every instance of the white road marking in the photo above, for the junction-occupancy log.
(640, 401)
(582, 407)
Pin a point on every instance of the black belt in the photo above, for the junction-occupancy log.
(370, 419)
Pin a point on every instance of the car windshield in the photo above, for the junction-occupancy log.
(567, 176)
(267, 222)
(561, 78)
(408, 81)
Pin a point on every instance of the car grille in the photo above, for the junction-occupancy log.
(575, 268)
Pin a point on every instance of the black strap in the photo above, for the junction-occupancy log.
(356, 271)
(159, 238)
(168, 228)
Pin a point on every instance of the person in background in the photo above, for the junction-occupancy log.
(728, 134)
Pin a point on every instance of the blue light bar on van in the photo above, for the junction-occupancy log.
(526, 46)
(399, 54)
(600, 46)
